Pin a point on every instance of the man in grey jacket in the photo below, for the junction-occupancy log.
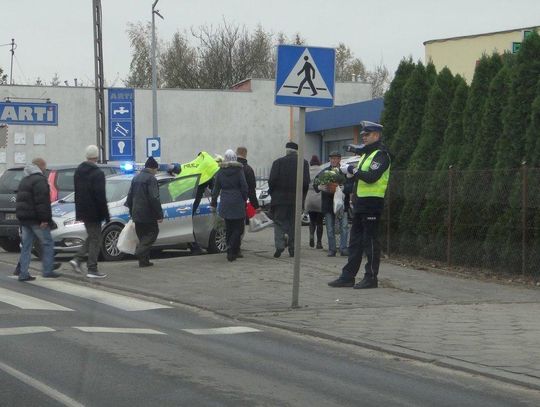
(145, 209)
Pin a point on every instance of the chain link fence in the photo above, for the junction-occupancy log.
(488, 218)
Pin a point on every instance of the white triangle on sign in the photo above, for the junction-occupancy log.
(305, 73)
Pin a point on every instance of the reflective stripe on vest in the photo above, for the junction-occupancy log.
(378, 188)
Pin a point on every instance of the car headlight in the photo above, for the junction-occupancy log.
(72, 221)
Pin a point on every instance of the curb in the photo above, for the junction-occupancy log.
(438, 360)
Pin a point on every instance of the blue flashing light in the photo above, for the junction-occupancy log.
(127, 168)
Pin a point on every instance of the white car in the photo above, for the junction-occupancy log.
(179, 227)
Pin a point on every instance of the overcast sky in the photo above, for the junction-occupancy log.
(55, 36)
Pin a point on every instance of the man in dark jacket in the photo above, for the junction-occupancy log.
(90, 208)
(33, 211)
(371, 175)
(241, 154)
(282, 189)
(145, 209)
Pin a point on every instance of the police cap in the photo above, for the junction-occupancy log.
(335, 154)
(370, 127)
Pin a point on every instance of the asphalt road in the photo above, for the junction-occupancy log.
(177, 358)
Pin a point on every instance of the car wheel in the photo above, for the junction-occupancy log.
(218, 241)
(109, 251)
(305, 219)
(10, 245)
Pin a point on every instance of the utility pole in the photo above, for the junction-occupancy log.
(99, 81)
(11, 68)
(154, 72)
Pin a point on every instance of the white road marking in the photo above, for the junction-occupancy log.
(42, 387)
(27, 302)
(227, 330)
(103, 329)
(22, 330)
(122, 302)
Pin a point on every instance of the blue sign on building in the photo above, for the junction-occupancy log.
(305, 76)
(121, 124)
(40, 114)
(153, 147)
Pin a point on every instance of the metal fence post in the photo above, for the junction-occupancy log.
(450, 204)
(524, 207)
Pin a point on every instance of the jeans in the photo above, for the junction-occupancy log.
(364, 240)
(91, 246)
(330, 219)
(47, 249)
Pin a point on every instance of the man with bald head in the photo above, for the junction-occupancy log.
(34, 213)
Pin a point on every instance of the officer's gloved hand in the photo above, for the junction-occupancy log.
(348, 170)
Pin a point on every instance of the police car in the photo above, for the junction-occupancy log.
(179, 227)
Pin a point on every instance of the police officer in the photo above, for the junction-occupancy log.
(371, 176)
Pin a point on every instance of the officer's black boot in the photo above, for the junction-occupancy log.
(367, 282)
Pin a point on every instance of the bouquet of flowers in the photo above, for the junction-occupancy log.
(331, 179)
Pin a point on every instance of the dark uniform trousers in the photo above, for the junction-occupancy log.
(363, 239)
(147, 234)
(283, 217)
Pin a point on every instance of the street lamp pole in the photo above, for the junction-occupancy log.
(11, 68)
(154, 71)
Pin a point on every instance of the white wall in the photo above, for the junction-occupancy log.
(189, 121)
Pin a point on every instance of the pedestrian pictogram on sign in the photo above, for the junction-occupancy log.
(305, 76)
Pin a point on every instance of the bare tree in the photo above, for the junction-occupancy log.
(55, 81)
(379, 79)
(348, 68)
(3, 77)
(178, 64)
(140, 69)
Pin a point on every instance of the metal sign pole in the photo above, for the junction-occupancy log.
(298, 206)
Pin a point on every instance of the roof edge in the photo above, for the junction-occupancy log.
(480, 35)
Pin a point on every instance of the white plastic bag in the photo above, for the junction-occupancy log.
(128, 240)
(339, 206)
(259, 222)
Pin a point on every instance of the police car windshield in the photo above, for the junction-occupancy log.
(115, 189)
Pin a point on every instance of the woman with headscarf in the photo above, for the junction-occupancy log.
(230, 184)
(313, 206)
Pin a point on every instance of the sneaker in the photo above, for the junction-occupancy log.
(331, 253)
(52, 275)
(278, 252)
(29, 278)
(341, 283)
(367, 282)
(76, 266)
(95, 274)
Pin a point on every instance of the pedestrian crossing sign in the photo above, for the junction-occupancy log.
(305, 76)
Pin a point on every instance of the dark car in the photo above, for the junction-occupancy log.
(61, 182)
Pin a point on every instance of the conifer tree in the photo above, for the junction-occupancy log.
(503, 245)
(393, 99)
(431, 227)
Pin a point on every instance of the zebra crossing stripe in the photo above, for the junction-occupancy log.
(27, 302)
(228, 330)
(102, 329)
(22, 330)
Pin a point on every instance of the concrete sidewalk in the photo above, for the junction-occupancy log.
(481, 327)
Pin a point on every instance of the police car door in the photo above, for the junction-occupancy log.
(177, 196)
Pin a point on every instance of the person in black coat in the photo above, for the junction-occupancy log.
(241, 154)
(145, 209)
(90, 208)
(33, 210)
(282, 189)
(230, 184)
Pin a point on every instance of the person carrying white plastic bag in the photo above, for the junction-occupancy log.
(259, 222)
(128, 240)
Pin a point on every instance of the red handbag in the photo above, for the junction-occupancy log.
(250, 210)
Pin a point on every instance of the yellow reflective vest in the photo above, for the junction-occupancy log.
(204, 165)
(376, 189)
